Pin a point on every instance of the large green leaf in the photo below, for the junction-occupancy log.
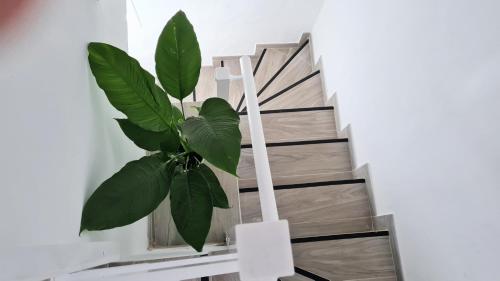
(129, 195)
(215, 134)
(219, 198)
(129, 87)
(178, 57)
(167, 140)
(191, 207)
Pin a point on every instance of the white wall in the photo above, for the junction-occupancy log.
(59, 141)
(223, 27)
(419, 83)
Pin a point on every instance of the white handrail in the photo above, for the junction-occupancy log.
(262, 169)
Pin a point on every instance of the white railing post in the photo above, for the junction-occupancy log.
(262, 169)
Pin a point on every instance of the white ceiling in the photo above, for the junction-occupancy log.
(223, 27)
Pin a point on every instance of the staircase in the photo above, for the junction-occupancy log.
(332, 228)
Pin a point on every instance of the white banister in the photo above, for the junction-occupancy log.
(262, 169)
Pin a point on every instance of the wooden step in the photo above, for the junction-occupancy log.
(318, 208)
(293, 124)
(272, 60)
(346, 257)
(299, 158)
(306, 92)
(297, 66)
(295, 179)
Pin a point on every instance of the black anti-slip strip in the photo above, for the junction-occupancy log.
(282, 68)
(305, 185)
(259, 61)
(340, 236)
(308, 274)
(289, 143)
(286, 110)
(254, 72)
(289, 88)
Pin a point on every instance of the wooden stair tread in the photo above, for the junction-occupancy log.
(316, 210)
(297, 179)
(298, 66)
(308, 93)
(297, 125)
(346, 259)
(273, 59)
(290, 160)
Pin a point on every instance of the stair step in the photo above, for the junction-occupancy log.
(321, 208)
(295, 179)
(293, 124)
(346, 257)
(299, 158)
(295, 68)
(305, 92)
(272, 61)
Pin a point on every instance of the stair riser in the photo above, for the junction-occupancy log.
(313, 211)
(295, 160)
(346, 259)
(293, 126)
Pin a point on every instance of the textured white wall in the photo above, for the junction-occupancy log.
(59, 141)
(224, 27)
(419, 83)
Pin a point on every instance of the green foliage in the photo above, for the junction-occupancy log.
(129, 87)
(215, 134)
(129, 195)
(178, 57)
(167, 140)
(155, 125)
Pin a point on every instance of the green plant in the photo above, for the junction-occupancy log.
(155, 125)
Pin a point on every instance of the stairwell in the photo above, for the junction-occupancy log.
(334, 235)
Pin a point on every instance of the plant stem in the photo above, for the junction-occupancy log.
(182, 109)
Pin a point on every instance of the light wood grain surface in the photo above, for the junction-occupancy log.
(306, 178)
(308, 94)
(346, 259)
(293, 126)
(315, 211)
(299, 160)
(299, 67)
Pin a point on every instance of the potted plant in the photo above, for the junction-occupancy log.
(184, 145)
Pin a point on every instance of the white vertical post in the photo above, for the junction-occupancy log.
(262, 169)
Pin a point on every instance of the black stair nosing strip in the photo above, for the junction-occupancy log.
(308, 274)
(306, 185)
(306, 142)
(344, 236)
(289, 87)
(259, 61)
(254, 72)
(281, 69)
(287, 110)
